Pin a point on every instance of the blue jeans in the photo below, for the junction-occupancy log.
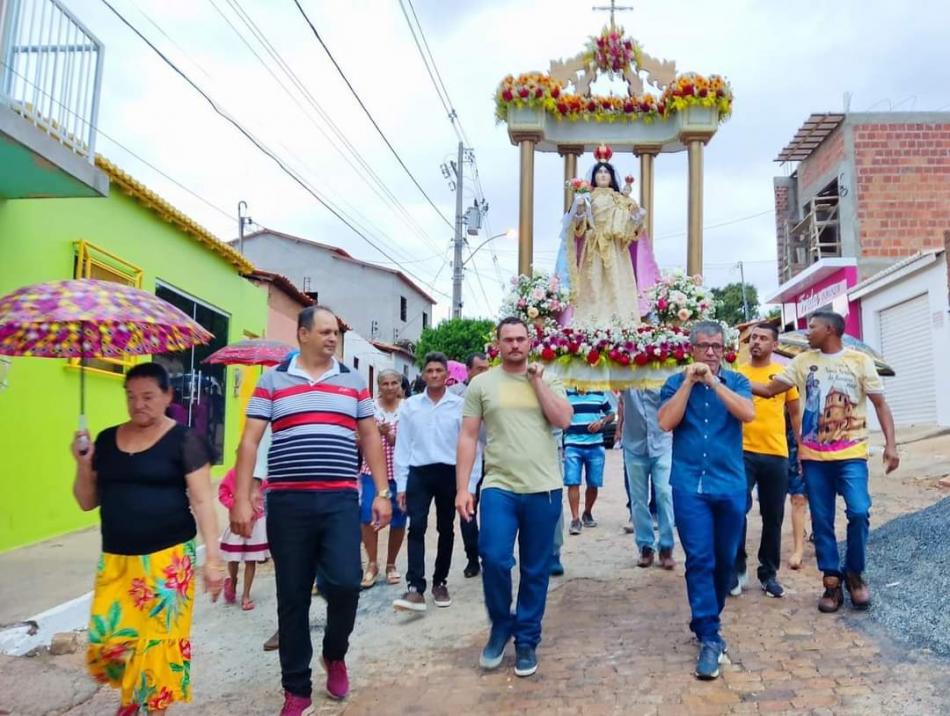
(588, 459)
(641, 469)
(710, 527)
(531, 517)
(824, 480)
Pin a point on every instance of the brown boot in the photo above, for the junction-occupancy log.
(666, 559)
(833, 597)
(858, 590)
(646, 557)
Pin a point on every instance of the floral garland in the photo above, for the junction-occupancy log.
(611, 52)
(537, 90)
(677, 299)
(537, 300)
(646, 346)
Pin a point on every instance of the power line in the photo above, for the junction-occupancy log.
(262, 148)
(717, 226)
(369, 114)
(376, 183)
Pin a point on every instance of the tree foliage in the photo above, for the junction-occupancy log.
(729, 303)
(458, 338)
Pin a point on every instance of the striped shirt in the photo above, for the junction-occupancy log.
(313, 424)
(588, 408)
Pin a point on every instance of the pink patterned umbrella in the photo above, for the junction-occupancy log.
(86, 318)
(251, 351)
(458, 373)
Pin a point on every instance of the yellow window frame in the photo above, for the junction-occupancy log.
(96, 262)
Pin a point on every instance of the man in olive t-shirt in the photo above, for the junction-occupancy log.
(521, 491)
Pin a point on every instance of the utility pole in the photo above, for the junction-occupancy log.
(745, 302)
(243, 220)
(459, 239)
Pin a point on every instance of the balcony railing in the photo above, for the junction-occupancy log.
(51, 71)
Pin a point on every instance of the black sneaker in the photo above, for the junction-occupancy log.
(772, 588)
(472, 569)
(588, 520)
(526, 661)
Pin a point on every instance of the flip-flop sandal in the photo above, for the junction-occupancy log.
(392, 576)
(370, 576)
(247, 605)
(230, 593)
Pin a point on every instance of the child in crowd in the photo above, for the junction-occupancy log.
(237, 549)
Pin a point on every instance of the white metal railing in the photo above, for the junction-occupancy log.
(51, 71)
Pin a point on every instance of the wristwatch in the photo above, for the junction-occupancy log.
(385, 494)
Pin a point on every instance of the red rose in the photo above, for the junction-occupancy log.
(539, 92)
(507, 95)
(679, 354)
(703, 92)
(555, 92)
(644, 106)
(628, 44)
(562, 107)
(720, 93)
(574, 347)
(593, 357)
(523, 92)
(687, 89)
(624, 359)
(616, 66)
(641, 359)
(730, 357)
(548, 354)
(605, 103)
(662, 304)
(661, 107)
(628, 107)
(591, 106)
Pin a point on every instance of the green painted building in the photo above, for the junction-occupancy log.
(131, 236)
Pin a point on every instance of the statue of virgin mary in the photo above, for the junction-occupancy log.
(604, 252)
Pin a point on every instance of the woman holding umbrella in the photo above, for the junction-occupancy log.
(151, 479)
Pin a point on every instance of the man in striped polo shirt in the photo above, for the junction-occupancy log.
(584, 453)
(316, 408)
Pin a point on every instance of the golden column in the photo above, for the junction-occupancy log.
(526, 142)
(694, 240)
(646, 155)
(570, 152)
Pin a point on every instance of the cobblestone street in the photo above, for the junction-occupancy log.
(615, 642)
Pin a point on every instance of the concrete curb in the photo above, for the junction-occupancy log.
(68, 616)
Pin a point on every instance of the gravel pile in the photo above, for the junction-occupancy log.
(908, 568)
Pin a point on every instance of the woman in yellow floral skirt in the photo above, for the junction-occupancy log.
(151, 479)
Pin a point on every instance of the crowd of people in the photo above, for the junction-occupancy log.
(498, 450)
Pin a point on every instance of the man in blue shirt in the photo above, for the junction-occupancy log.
(704, 407)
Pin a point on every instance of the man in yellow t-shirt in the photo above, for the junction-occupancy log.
(521, 491)
(837, 382)
(765, 452)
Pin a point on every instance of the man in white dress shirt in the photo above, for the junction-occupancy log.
(429, 426)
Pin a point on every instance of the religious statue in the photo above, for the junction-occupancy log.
(599, 257)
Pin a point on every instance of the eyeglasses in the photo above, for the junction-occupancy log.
(715, 347)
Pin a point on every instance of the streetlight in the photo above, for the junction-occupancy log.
(509, 234)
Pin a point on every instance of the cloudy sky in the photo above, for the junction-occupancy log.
(784, 61)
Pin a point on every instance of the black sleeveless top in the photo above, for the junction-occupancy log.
(143, 497)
